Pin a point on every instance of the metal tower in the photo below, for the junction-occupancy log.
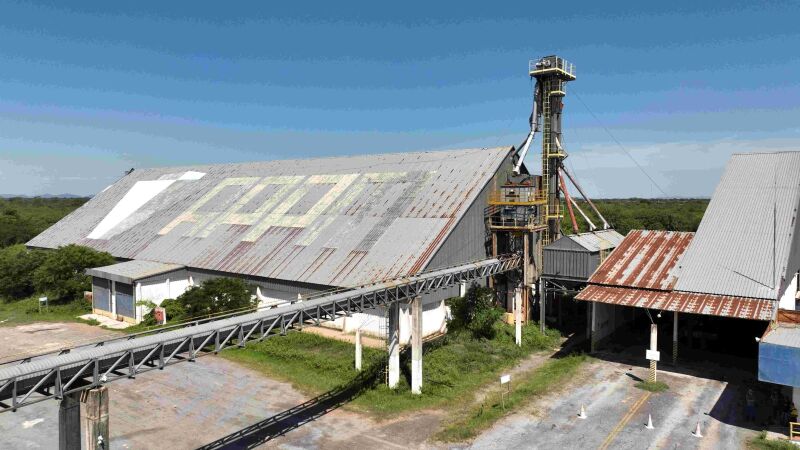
(552, 74)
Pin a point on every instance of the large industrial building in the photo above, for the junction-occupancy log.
(291, 228)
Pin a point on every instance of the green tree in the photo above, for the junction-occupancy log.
(215, 296)
(476, 312)
(17, 265)
(61, 275)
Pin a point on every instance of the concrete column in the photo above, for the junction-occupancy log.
(542, 303)
(518, 315)
(593, 330)
(394, 344)
(416, 345)
(95, 421)
(653, 346)
(358, 349)
(69, 423)
(674, 338)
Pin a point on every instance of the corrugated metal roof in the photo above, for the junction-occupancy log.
(335, 221)
(644, 259)
(130, 271)
(685, 302)
(746, 243)
(595, 240)
(786, 336)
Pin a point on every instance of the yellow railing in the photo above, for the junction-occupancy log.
(794, 431)
(523, 198)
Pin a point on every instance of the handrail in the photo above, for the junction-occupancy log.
(794, 431)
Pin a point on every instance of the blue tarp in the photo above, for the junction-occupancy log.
(779, 364)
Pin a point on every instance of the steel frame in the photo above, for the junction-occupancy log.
(36, 379)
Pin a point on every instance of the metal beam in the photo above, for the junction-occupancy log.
(77, 369)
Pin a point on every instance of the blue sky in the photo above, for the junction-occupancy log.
(90, 89)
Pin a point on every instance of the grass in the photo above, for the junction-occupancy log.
(761, 442)
(542, 380)
(455, 366)
(27, 311)
(657, 386)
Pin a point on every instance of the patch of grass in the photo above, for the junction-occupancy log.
(544, 379)
(27, 311)
(761, 442)
(657, 386)
(455, 366)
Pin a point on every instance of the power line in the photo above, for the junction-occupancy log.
(620, 145)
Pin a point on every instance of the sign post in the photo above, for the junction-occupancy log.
(504, 379)
(43, 304)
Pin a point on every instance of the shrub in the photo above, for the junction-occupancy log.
(476, 312)
(17, 265)
(212, 297)
(61, 274)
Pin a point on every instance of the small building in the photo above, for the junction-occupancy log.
(574, 257)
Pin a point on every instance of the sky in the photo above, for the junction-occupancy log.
(665, 91)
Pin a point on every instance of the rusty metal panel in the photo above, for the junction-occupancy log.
(334, 221)
(685, 302)
(644, 259)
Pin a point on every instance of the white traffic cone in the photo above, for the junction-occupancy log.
(649, 425)
(582, 415)
(697, 433)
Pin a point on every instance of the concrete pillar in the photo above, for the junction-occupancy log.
(358, 349)
(653, 347)
(518, 315)
(394, 344)
(416, 345)
(95, 421)
(542, 303)
(593, 330)
(69, 423)
(674, 338)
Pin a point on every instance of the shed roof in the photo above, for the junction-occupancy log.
(593, 241)
(130, 271)
(334, 221)
(747, 243)
(788, 336)
(644, 259)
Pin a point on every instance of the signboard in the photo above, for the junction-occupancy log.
(653, 355)
(505, 379)
(160, 315)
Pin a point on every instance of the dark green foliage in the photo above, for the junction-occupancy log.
(17, 265)
(61, 274)
(476, 312)
(648, 214)
(214, 296)
(23, 218)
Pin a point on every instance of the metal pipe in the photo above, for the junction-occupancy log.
(585, 197)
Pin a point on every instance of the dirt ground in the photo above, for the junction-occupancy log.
(214, 403)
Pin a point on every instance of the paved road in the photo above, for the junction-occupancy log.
(617, 414)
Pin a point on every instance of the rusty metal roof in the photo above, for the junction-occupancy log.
(334, 221)
(130, 271)
(685, 302)
(644, 259)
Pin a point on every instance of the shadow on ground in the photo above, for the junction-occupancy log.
(285, 421)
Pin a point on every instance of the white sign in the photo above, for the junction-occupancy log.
(653, 355)
(505, 379)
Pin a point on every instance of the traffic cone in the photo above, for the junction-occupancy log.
(697, 433)
(582, 415)
(649, 425)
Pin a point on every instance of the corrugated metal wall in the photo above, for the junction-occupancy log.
(570, 264)
(101, 294)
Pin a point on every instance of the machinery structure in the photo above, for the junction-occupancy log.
(524, 214)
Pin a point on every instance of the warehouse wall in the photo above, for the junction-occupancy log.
(607, 319)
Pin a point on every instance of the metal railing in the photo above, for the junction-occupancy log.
(794, 431)
(522, 198)
(551, 62)
(75, 370)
